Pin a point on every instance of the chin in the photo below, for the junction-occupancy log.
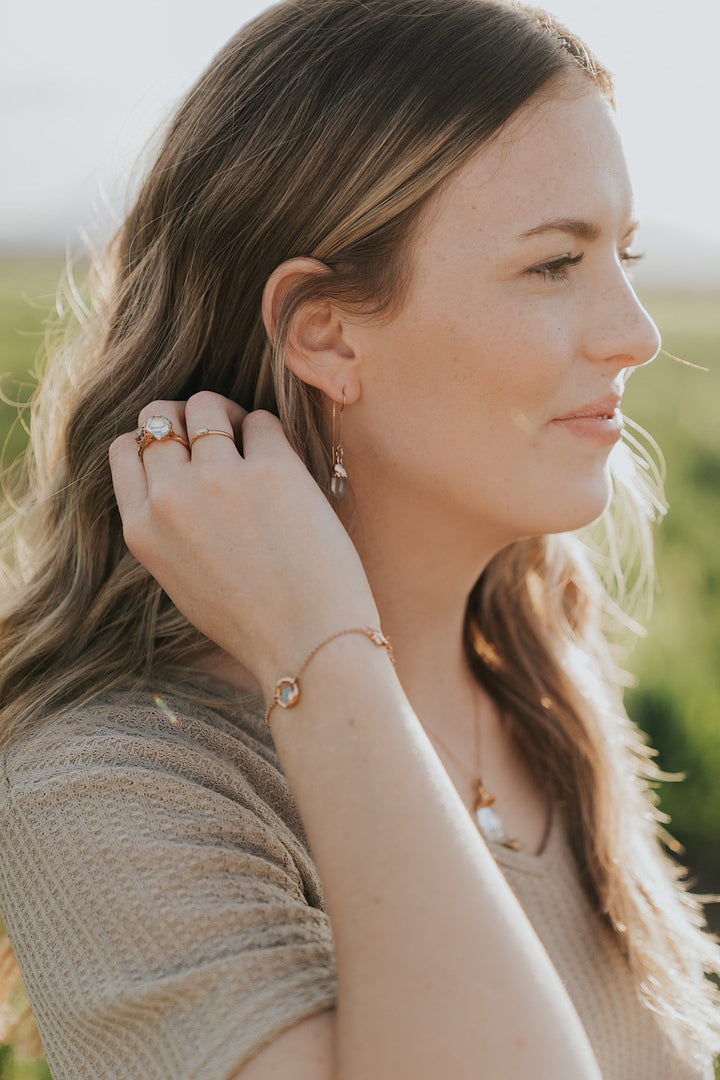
(571, 507)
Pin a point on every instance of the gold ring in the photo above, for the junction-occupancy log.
(157, 429)
(203, 431)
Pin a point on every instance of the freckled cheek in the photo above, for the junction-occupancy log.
(505, 366)
(481, 356)
(520, 395)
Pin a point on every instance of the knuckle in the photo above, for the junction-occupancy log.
(262, 420)
(263, 416)
(204, 399)
(164, 500)
(172, 409)
(217, 487)
(152, 409)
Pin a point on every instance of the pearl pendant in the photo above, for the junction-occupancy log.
(490, 824)
(488, 821)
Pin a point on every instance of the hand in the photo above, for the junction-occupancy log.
(246, 546)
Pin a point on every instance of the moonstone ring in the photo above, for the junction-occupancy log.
(156, 429)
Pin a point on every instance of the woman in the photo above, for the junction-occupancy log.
(321, 775)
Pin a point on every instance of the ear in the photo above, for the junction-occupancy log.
(318, 349)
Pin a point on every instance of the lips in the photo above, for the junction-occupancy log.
(603, 407)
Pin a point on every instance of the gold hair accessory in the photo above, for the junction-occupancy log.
(287, 689)
(157, 429)
(203, 431)
(338, 476)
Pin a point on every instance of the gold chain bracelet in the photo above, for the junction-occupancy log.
(287, 689)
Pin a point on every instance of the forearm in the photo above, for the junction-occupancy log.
(440, 973)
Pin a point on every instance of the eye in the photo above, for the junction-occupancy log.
(626, 257)
(555, 269)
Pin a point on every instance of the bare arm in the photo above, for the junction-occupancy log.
(440, 973)
(439, 970)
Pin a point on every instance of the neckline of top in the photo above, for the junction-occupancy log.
(520, 860)
(545, 859)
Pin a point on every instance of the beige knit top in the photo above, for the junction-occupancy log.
(158, 889)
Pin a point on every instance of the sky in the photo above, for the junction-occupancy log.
(83, 86)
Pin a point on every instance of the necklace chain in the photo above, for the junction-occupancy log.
(486, 818)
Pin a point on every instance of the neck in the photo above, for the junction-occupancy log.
(421, 567)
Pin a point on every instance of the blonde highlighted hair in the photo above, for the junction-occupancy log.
(324, 128)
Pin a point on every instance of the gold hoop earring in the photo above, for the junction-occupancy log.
(338, 476)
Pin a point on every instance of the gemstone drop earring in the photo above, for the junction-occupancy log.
(338, 476)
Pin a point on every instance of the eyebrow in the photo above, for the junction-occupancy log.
(583, 230)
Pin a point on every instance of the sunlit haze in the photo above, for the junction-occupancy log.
(85, 84)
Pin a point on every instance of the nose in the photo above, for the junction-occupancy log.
(622, 331)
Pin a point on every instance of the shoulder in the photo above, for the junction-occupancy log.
(183, 757)
(158, 731)
(94, 728)
(157, 888)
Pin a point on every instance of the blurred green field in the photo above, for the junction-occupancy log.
(677, 699)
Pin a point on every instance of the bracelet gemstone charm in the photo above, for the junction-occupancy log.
(287, 692)
(287, 689)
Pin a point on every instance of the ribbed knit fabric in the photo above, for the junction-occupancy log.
(157, 887)
(627, 1037)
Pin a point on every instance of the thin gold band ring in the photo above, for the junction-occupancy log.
(202, 432)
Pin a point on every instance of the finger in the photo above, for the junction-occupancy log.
(174, 410)
(163, 419)
(211, 412)
(128, 477)
(263, 434)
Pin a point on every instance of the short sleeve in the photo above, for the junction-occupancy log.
(158, 916)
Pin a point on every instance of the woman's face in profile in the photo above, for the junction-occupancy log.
(503, 332)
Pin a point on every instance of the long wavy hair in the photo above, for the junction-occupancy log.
(324, 128)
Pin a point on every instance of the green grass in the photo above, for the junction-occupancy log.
(15, 1068)
(27, 295)
(677, 699)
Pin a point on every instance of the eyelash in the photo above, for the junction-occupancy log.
(551, 271)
